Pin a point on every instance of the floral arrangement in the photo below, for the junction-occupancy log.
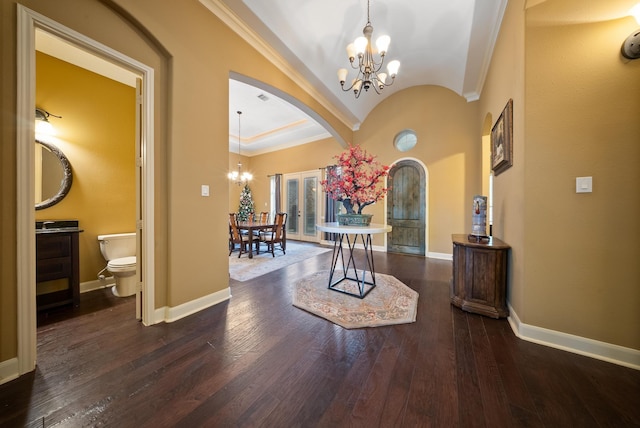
(356, 180)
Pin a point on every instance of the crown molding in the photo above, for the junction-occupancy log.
(233, 21)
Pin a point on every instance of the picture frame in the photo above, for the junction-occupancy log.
(502, 141)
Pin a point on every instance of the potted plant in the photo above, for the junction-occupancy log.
(357, 181)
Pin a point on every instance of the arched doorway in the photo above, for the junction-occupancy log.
(407, 208)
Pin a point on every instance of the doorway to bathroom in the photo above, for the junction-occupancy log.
(30, 22)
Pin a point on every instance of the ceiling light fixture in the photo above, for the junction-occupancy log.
(631, 46)
(367, 66)
(238, 176)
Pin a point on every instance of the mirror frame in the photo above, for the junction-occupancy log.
(66, 181)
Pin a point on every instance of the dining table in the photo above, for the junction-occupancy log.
(251, 225)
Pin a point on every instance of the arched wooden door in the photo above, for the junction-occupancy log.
(406, 206)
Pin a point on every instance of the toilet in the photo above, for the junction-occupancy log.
(119, 250)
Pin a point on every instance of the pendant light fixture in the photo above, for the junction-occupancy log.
(238, 176)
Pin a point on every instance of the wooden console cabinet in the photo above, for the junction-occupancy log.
(480, 276)
(57, 269)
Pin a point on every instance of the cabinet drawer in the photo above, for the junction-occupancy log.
(48, 269)
(53, 246)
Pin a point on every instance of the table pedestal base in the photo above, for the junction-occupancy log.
(350, 266)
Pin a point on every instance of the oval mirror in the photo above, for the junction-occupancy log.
(52, 175)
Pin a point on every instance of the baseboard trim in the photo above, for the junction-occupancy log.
(96, 284)
(440, 256)
(604, 351)
(171, 314)
(9, 370)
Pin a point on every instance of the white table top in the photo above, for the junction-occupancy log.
(336, 228)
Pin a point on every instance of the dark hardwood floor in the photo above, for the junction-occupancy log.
(256, 360)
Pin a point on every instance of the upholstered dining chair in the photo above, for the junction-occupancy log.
(276, 235)
(236, 238)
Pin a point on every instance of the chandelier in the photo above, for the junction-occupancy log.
(238, 176)
(368, 69)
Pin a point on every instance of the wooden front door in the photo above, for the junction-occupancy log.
(406, 206)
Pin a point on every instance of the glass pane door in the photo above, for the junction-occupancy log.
(302, 205)
(293, 210)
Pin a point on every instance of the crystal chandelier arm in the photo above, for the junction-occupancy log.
(368, 69)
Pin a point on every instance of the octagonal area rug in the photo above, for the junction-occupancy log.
(390, 302)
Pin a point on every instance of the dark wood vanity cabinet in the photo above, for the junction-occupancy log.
(480, 276)
(57, 269)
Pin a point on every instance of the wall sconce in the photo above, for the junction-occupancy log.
(631, 46)
(43, 126)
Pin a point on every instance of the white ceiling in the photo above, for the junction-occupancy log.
(446, 43)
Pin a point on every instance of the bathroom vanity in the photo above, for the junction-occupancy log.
(57, 264)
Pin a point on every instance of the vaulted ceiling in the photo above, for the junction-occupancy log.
(446, 43)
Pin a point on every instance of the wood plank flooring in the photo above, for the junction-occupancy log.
(258, 361)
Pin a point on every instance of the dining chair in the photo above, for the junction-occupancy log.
(264, 218)
(236, 238)
(276, 234)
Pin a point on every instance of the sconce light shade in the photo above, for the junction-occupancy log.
(635, 12)
(631, 46)
(44, 129)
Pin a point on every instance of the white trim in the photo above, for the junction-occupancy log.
(96, 284)
(171, 314)
(25, 153)
(233, 21)
(608, 352)
(440, 256)
(27, 22)
(9, 370)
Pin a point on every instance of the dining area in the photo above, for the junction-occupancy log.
(257, 232)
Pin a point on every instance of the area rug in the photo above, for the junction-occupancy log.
(244, 268)
(390, 302)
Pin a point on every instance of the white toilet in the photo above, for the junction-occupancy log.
(119, 250)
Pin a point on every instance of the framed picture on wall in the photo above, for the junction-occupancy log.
(502, 141)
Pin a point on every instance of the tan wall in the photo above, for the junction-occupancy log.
(448, 144)
(191, 147)
(97, 134)
(296, 159)
(190, 134)
(582, 120)
(505, 80)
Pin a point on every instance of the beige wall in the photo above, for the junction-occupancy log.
(97, 134)
(449, 145)
(505, 80)
(583, 110)
(190, 133)
(296, 159)
(579, 281)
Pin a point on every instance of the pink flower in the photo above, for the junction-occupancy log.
(357, 180)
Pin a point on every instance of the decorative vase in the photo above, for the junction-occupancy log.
(361, 220)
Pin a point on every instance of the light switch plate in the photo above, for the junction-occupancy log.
(584, 185)
(204, 191)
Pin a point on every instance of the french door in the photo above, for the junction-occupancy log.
(303, 204)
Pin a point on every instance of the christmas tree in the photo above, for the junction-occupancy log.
(246, 210)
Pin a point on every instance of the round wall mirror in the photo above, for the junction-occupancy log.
(52, 175)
